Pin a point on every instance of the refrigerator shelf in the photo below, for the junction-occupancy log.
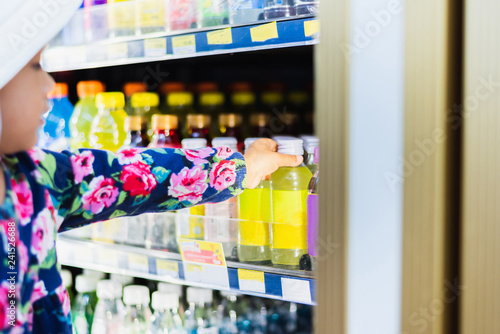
(262, 281)
(298, 31)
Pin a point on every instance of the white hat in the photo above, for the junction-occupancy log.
(26, 26)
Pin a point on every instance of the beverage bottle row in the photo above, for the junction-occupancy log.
(115, 306)
(97, 20)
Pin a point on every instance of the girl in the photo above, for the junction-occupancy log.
(43, 193)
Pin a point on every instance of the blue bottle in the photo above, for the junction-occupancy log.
(245, 11)
(55, 135)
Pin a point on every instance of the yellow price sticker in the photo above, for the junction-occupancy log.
(223, 36)
(193, 268)
(311, 27)
(264, 32)
(167, 265)
(117, 51)
(251, 275)
(155, 47)
(184, 44)
(137, 259)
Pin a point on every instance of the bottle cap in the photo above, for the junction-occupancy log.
(230, 120)
(260, 119)
(224, 293)
(122, 279)
(316, 155)
(249, 141)
(212, 98)
(199, 295)
(240, 86)
(130, 88)
(94, 273)
(136, 295)
(67, 278)
(59, 91)
(243, 98)
(169, 87)
(180, 99)
(290, 146)
(310, 142)
(164, 300)
(133, 123)
(112, 100)
(207, 86)
(141, 100)
(109, 289)
(85, 283)
(298, 97)
(172, 288)
(89, 88)
(198, 121)
(194, 143)
(272, 98)
(164, 122)
(230, 142)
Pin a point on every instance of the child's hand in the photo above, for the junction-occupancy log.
(262, 160)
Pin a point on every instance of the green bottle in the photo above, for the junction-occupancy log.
(84, 306)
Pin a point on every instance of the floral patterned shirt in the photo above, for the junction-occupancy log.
(51, 192)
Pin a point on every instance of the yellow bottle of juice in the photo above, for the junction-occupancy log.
(254, 212)
(190, 222)
(289, 204)
(145, 105)
(107, 131)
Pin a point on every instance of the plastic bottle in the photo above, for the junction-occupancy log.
(200, 317)
(273, 105)
(306, 7)
(260, 125)
(180, 104)
(85, 302)
(274, 9)
(136, 136)
(289, 197)
(67, 279)
(231, 313)
(190, 221)
(109, 312)
(312, 217)
(95, 20)
(254, 212)
(129, 89)
(166, 318)
(165, 132)
(181, 14)
(212, 104)
(243, 103)
(212, 13)
(245, 11)
(149, 16)
(221, 225)
(167, 88)
(199, 126)
(310, 145)
(98, 275)
(84, 113)
(230, 127)
(121, 18)
(108, 131)
(124, 280)
(56, 134)
(145, 105)
(138, 314)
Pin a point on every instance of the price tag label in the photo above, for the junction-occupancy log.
(155, 47)
(264, 32)
(223, 36)
(184, 44)
(296, 290)
(251, 280)
(167, 268)
(138, 263)
(117, 51)
(311, 27)
(84, 255)
(108, 257)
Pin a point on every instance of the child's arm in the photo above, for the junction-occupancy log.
(93, 185)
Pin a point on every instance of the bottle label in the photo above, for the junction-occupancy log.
(289, 219)
(220, 229)
(150, 13)
(255, 215)
(312, 223)
(121, 14)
